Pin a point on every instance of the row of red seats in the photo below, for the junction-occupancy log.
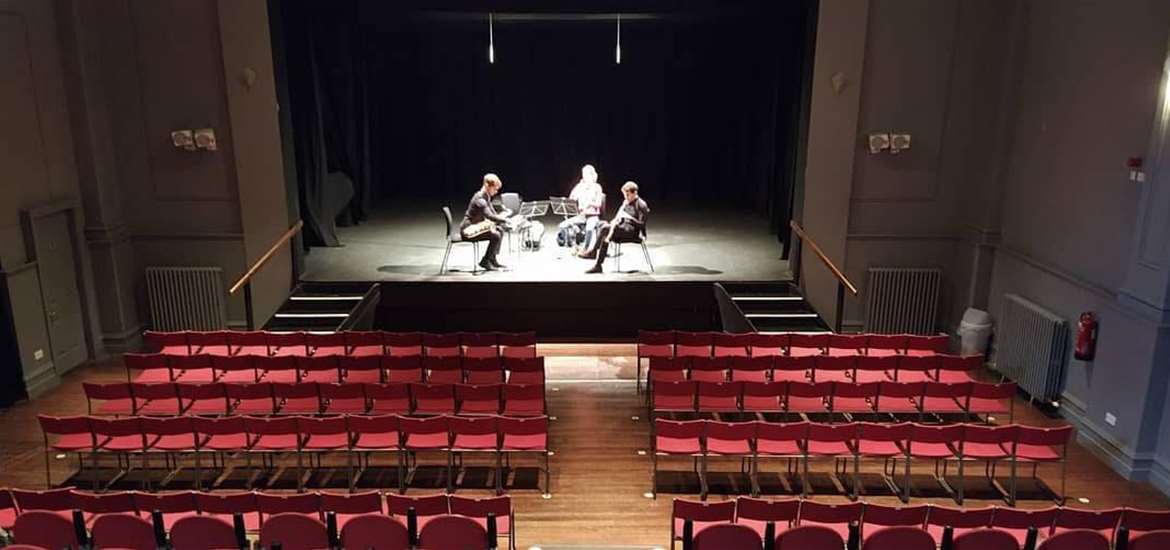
(158, 367)
(373, 342)
(755, 513)
(666, 344)
(859, 368)
(968, 398)
(721, 536)
(308, 398)
(960, 443)
(256, 508)
(145, 435)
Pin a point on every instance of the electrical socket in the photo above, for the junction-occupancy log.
(1110, 419)
(39, 354)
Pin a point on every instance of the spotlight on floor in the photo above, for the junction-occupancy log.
(546, 496)
(61, 456)
(648, 495)
(641, 452)
(1083, 500)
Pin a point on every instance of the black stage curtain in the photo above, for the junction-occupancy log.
(397, 103)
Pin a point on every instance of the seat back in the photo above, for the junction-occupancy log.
(779, 512)
(203, 533)
(126, 531)
(898, 538)
(452, 531)
(1077, 539)
(985, 539)
(449, 231)
(294, 532)
(1153, 540)
(44, 529)
(809, 537)
(374, 531)
(727, 535)
(703, 511)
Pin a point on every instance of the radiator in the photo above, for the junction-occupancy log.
(1032, 347)
(186, 298)
(902, 300)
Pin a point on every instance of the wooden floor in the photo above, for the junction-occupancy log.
(598, 477)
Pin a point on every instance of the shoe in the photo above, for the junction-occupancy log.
(587, 256)
(487, 266)
(498, 265)
(595, 269)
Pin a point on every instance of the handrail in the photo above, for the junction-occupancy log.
(824, 259)
(247, 277)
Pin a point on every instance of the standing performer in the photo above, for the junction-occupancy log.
(627, 224)
(479, 222)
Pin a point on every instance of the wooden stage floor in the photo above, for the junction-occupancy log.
(598, 477)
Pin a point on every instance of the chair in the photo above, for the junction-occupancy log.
(674, 396)
(710, 369)
(325, 435)
(192, 368)
(988, 444)
(483, 370)
(639, 239)
(93, 505)
(348, 398)
(402, 344)
(768, 345)
(898, 538)
(273, 436)
(1079, 539)
(44, 529)
(59, 501)
(433, 398)
(693, 344)
(960, 520)
(440, 345)
(804, 344)
(756, 513)
(835, 517)
(375, 434)
(793, 369)
(347, 506)
(123, 531)
(153, 367)
(916, 368)
(834, 368)
(989, 399)
(392, 398)
(271, 504)
(672, 438)
(365, 369)
(1017, 522)
(7, 510)
(443, 369)
(405, 368)
(727, 535)
(876, 368)
(482, 399)
(810, 537)
(776, 440)
(808, 397)
(203, 533)
(364, 343)
(652, 344)
(900, 398)
(157, 399)
(885, 345)
(248, 342)
(454, 236)
(203, 399)
(426, 508)
(751, 369)
(730, 439)
(524, 370)
(1152, 540)
(836, 441)
(847, 344)
(882, 517)
(250, 398)
(173, 505)
(452, 532)
(225, 505)
(72, 435)
(430, 434)
(887, 442)
(375, 531)
(212, 342)
(479, 345)
(121, 437)
(517, 345)
(294, 531)
(700, 514)
(716, 397)
(474, 435)
(167, 343)
(958, 368)
(171, 435)
(850, 398)
(1140, 521)
(318, 369)
(935, 443)
(984, 539)
(732, 345)
(278, 369)
(523, 400)
(286, 343)
(762, 397)
(1101, 521)
(478, 509)
(108, 399)
(1036, 445)
(526, 435)
(927, 345)
(326, 343)
(298, 398)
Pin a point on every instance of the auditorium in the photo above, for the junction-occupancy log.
(485, 274)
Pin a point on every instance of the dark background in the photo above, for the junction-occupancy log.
(706, 105)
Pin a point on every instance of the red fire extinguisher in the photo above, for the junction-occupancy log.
(1086, 347)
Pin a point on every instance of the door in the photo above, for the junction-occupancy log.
(62, 298)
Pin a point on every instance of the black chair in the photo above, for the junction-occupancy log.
(454, 237)
(640, 239)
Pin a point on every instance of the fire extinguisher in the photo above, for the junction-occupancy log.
(1086, 347)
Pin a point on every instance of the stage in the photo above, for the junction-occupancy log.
(687, 244)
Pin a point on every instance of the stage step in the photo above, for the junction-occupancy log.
(319, 306)
(775, 307)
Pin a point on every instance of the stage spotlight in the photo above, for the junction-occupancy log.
(617, 55)
(491, 40)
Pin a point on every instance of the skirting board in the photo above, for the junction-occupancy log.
(1123, 460)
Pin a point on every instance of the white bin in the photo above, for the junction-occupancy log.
(974, 332)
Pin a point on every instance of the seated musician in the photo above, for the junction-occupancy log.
(627, 224)
(479, 222)
(588, 196)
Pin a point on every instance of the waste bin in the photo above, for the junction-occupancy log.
(974, 332)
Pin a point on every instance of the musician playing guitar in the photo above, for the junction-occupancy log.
(479, 222)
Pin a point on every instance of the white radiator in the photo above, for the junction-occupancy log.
(1032, 347)
(186, 298)
(902, 300)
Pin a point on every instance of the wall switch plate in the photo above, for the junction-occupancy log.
(1141, 177)
(1110, 419)
(39, 354)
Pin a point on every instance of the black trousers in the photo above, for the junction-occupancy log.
(622, 232)
(493, 238)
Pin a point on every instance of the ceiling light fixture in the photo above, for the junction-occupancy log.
(617, 55)
(491, 40)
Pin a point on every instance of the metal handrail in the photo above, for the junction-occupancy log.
(245, 281)
(843, 282)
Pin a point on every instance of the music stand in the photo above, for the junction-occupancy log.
(563, 206)
(534, 209)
